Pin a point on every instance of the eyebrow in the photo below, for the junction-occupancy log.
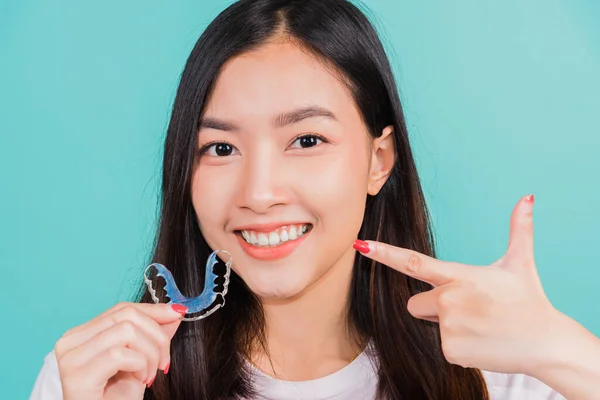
(283, 119)
(300, 114)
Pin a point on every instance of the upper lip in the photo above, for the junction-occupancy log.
(268, 227)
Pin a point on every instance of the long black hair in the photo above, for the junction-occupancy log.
(208, 355)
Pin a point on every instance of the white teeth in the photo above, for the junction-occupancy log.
(292, 233)
(273, 238)
(283, 236)
(276, 237)
(262, 239)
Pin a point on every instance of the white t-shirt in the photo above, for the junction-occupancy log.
(356, 381)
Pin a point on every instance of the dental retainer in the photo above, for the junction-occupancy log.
(210, 300)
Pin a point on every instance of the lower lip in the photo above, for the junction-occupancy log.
(271, 253)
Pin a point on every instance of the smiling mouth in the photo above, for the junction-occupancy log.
(274, 238)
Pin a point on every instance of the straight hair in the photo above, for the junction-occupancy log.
(208, 356)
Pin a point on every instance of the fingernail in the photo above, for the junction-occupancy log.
(151, 381)
(361, 246)
(529, 198)
(166, 370)
(179, 308)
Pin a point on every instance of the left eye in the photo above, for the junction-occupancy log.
(306, 141)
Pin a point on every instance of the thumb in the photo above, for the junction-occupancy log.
(171, 328)
(520, 244)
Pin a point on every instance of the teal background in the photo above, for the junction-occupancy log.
(500, 99)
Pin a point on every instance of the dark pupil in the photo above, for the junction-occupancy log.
(308, 141)
(223, 149)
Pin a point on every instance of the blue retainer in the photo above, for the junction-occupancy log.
(210, 300)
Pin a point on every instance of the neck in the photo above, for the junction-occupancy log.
(308, 336)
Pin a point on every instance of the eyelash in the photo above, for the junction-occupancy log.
(208, 145)
(315, 135)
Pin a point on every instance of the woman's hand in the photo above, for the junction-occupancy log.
(495, 318)
(117, 354)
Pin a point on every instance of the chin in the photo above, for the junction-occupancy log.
(278, 286)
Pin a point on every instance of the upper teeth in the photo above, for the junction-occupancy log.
(273, 238)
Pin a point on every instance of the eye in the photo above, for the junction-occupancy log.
(306, 141)
(217, 149)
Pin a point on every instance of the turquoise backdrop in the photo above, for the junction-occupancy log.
(500, 99)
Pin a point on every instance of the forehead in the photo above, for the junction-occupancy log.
(275, 77)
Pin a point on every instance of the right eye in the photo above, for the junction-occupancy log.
(218, 149)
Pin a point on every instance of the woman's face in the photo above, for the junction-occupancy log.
(282, 181)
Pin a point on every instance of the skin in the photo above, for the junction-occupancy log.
(268, 177)
(116, 354)
(495, 318)
(498, 318)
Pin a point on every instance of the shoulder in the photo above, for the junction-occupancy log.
(518, 386)
(47, 384)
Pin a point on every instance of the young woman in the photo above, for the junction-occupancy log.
(287, 142)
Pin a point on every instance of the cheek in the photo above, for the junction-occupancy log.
(338, 190)
(210, 197)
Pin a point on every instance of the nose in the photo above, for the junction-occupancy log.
(261, 187)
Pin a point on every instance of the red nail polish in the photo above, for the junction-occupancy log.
(529, 198)
(361, 246)
(151, 381)
(166, 370)
(179, 308)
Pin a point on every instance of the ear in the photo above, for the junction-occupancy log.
(383, 157)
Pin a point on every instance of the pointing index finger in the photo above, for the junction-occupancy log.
(411, 263)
